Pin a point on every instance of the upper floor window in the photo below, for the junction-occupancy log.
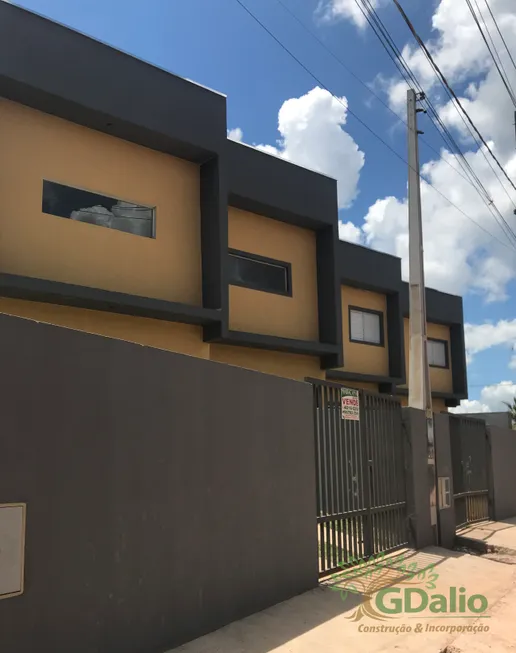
(92, 208)
(437, 353)
(259, 273)
(366, 326)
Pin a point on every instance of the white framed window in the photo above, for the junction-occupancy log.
(366, 326)
(437, 353)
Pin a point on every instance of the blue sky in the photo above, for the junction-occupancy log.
(215, 43)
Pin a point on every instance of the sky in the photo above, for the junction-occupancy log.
(333, 110)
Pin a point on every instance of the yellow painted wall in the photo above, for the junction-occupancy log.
(182, 338)
(290, 366)
(36, 146)
(263, 312)
(361, 357)
(440, 379)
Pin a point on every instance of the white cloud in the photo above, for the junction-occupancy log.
(459, 256)
(312, 135)
(235, 134)
(347, 9)
(492, 399)
(350, 232)
(480, 337)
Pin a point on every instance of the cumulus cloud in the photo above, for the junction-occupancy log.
(350, 232)
(480, 337)
(459, 256)
(312, 135)
(235, 134)
(347, 9)
(492, 398)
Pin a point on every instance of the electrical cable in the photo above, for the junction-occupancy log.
(364, 124)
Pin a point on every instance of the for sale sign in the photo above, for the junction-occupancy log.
(350, 404)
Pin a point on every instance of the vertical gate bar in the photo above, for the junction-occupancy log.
(367, 521)
(341, 475)
(383, 465)
(338, 447)
(355, 489)
(390, 429)
(333, 475)
(324, 466)
(397, 465)
(382, 414)
(346, 479)
(375, 502)
(338, 478)
(316, 400)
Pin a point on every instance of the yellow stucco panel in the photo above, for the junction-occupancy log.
(440, 379)
(290, 366)
(181, 338)
(362, 357)
(36, 147)
(267, 313)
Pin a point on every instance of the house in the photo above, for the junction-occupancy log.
(127, 212)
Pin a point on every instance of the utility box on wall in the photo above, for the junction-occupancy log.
(444, 490)
(12, 549)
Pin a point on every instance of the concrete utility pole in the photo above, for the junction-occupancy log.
(420, 393)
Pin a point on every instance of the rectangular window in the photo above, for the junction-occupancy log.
(366, 326)
(437, 353)
(92, 208)
(259, 273)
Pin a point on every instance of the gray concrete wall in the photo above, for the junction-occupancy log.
(166, 495)
(503, 457)
(502, 419)
(418, 500)
(443, 460)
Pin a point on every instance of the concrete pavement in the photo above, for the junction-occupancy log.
(344, 614)
(500, 534)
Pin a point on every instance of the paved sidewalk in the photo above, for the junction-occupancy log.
(500, 534)
(321, 620)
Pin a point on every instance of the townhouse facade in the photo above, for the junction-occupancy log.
(127, 212)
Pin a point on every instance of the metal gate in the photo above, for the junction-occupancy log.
(470, 464)
(361, 491)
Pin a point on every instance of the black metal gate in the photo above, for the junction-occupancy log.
(470, 464)
(361, 491)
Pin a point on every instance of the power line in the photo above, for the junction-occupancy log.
(496, 59)
(452, 93)
(443, 131)
(387, 41)
(501, 35)
(365, 125)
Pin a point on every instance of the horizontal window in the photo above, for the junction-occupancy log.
(437, 353)
(259, 273)
(366, 326)
(92, 208)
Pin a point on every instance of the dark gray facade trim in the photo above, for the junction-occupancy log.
(363, 378)
(65, 294)
(289, 345)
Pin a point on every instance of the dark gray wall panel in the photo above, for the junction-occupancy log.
(503, 457)
(166, 495)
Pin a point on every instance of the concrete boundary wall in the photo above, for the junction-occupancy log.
(503, 456)
(166, 495)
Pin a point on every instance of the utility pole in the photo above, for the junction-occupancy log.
(420, 393)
